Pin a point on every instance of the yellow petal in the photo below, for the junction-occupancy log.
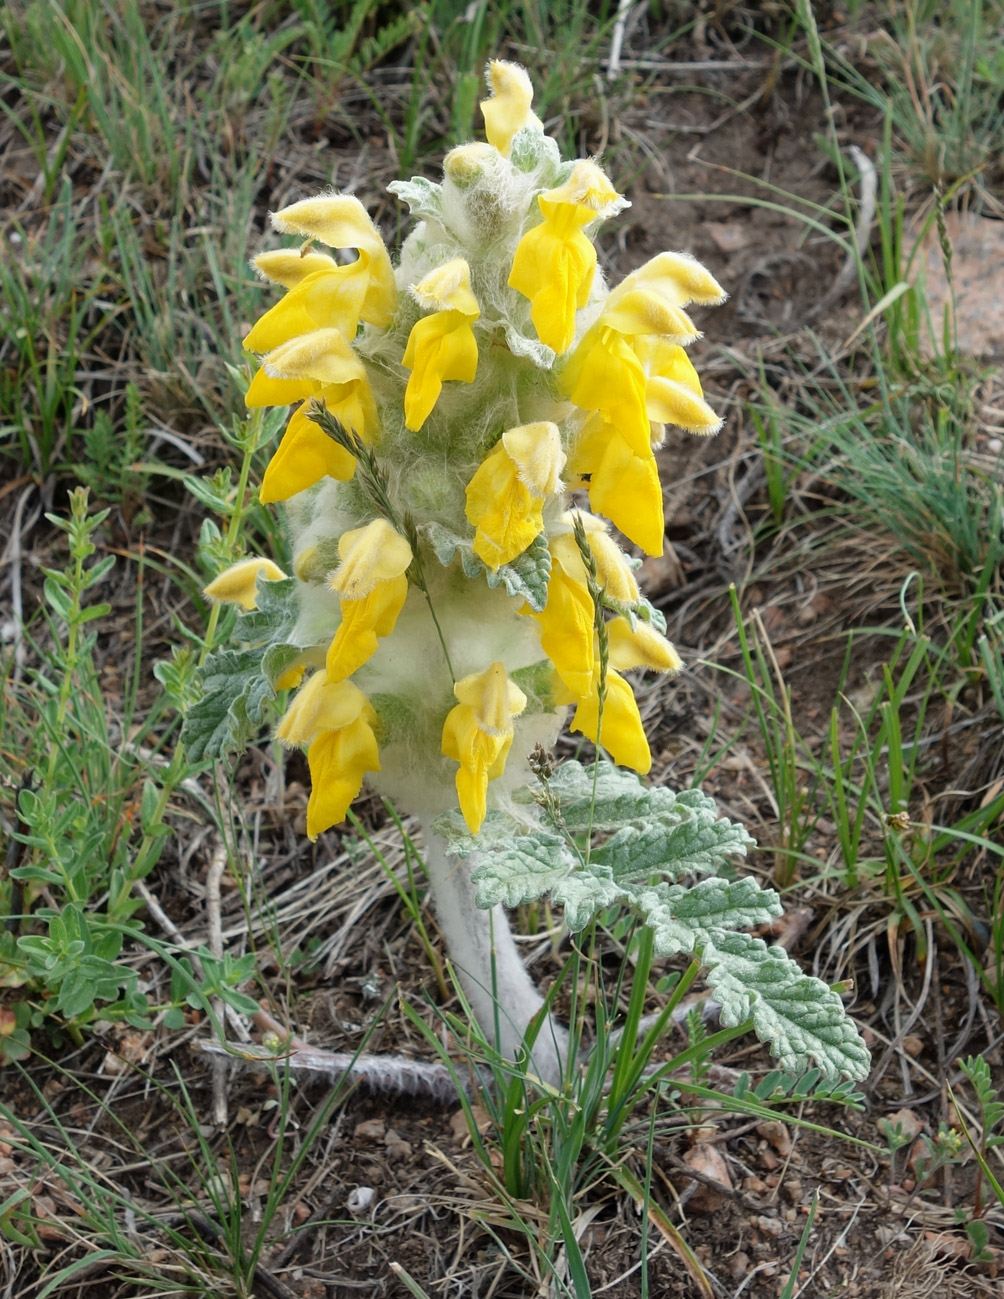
(678, 278)
(237, 584)
(339, 761)
(536, 452)
(477, 753)
(613, 573)
(370, 555)
(567, 628)
(640, 647)
(323, 356)
(612, 570)
(321, 705)
(332, 297)
(341, 221)
(554, 268)
(640, 311)
(604, 374)
(505, 496)
(478, 734)
(587, 187)
(289, 266)
(621, 732)
(673, 392)
(321, 365)
(448, 288)
(508, 110)
(440, 347)
(555, 262)
(625, 488)
(494, 698)
(364, 622)
(372, 587)
(304, 456)
(507, 517)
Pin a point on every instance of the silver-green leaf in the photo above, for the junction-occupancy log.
(799, 1017)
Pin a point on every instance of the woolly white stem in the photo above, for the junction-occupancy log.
(481, 946)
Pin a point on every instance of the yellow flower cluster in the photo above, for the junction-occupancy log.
(476, 381)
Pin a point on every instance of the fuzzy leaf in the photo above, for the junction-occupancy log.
(424, 197)
(621, 799)
(696, 846)
(525, 578)
(495, 828)
(521, 870)
(237, 684)
(685, 919)
(507, 867)
(527, 575)
(236, 693)
(273, 620)
(584, 892)
(797, 1015)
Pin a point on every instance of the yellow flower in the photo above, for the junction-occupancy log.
(372, 587)
(506, 495)
(623, 486)
(304, 456)
(567, 627)
(335, 720)
(621, 733)
(320, 366)
(567, 621)
(630, 369)
(555, 262)
(441, 346)
(237, 584)
(508, 110)
(478, 734)
(340, 221)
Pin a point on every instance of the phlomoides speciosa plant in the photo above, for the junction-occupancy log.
(449, 610)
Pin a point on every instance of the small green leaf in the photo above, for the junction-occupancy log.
(424, 197)
(232, 707)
